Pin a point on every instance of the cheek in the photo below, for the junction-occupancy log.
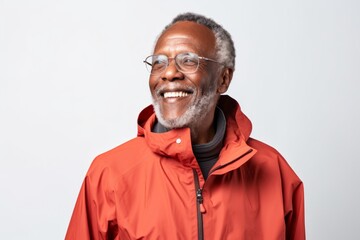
(205, 84)
(204, 78)
(198, 79)
(152, 91)
(152, 83)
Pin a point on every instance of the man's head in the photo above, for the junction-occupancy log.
(225, 49)
(185, 95)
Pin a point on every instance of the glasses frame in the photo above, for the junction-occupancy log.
(176, 63)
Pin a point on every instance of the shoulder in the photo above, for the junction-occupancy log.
(122, 158)
(263, 149)
(269, 155)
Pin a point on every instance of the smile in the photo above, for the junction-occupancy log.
(175, 94)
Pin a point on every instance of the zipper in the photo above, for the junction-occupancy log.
(199, 197)
(199, 206)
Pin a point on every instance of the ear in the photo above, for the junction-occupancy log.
(224, 80)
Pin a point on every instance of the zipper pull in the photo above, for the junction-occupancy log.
(199, 198)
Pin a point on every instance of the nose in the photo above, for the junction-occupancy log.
(171, 73)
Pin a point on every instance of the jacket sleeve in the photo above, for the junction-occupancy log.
(295, 219)
(94, 213)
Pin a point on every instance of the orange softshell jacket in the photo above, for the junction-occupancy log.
(151, 187)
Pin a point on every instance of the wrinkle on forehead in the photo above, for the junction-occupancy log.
(188, 33)
(174, 45)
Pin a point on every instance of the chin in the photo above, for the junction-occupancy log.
(168, 122)
(193, 116)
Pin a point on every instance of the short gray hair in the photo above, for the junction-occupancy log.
(225, 49)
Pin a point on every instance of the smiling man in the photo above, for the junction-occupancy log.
(185, 86)
(193, 171)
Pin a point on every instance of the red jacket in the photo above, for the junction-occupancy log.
(151, 187)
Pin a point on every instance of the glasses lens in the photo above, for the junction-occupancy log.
(187, 62)
(148, 63)
(155, 64)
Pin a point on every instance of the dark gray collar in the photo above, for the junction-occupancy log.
(211, 150)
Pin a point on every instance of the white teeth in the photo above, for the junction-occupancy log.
(175, 94)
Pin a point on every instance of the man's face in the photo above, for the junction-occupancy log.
(185, 99)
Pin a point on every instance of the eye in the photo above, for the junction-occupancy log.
(188, 59)
(158, 61)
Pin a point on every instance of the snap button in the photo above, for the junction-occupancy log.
(178, 141)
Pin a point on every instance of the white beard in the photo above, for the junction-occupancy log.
(194, 115)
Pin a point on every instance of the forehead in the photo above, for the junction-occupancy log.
(187, 36)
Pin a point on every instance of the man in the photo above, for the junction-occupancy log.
(192, 172)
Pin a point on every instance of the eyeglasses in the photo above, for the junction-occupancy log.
(185, 62)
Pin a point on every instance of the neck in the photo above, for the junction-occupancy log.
(203, 131)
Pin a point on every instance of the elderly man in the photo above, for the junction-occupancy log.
(192, 172)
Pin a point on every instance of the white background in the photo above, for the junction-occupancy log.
(72, 83)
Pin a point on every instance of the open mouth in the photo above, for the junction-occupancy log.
(175, 94)
(174, 91)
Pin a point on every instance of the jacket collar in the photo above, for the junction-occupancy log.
(176, 143)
